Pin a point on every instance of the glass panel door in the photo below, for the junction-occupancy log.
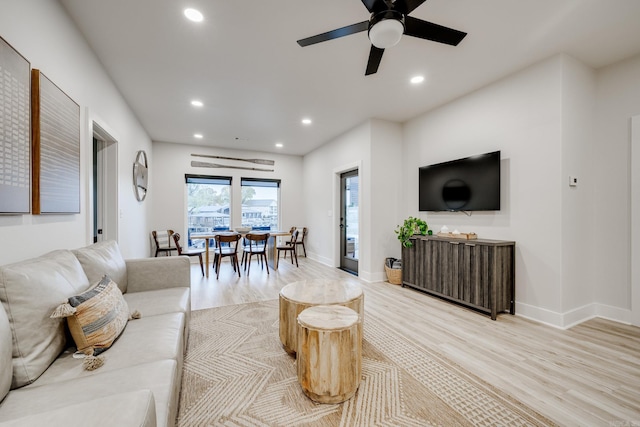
(349, 231)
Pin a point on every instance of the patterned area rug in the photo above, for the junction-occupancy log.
(237, 374)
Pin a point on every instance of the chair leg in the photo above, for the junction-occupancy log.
(201, 264)
(264, 254)
(236, 261)
(304, 250)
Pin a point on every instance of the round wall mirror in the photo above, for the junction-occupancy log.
(140, 175)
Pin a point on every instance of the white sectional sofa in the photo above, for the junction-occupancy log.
(42, 383)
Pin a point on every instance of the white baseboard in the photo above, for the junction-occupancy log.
(573, 317)
(622, 315)
(321, 259)
(367, 276)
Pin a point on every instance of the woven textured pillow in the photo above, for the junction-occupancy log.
(97, 317)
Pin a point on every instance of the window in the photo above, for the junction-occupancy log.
(260, 203)
(208, 205)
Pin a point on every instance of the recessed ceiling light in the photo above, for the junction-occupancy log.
(193, 15)
(197, 135)
(197, 103)
(417, 80)
(306, 121)
(279, 145)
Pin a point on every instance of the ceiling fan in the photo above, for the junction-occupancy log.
(389, 20)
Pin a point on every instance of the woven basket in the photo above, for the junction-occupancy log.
(394, 275)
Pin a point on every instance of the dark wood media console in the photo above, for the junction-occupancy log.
(475, 273)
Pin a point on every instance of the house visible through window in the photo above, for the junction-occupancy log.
(208, 205)
(260, 203)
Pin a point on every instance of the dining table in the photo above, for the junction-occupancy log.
(271, 250)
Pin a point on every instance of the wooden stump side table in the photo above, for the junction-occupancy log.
(329, 363)
(298, 296)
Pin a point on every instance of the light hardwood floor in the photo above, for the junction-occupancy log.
(588, 375)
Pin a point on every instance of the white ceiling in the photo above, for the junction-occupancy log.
(257, 84)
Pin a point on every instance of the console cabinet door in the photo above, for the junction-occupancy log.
(474, 274)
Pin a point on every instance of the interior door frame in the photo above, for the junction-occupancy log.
(335, 213)
(103, 194)
(350, 265)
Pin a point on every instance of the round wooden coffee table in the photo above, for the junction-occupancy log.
(297, 296)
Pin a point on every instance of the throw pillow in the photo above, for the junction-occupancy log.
(96, 318)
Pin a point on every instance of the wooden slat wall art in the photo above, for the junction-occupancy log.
(55, 148)
(15, 147)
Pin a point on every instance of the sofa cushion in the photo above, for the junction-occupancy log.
(30, 290)
(97, 317)
(161, 377)
(103, 258)
(5, 354)
(162, 301)
(144, 340)
(134, 409)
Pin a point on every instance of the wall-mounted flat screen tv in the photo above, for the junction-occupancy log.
(469, 184)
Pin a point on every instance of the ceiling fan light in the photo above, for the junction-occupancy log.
(386, 33)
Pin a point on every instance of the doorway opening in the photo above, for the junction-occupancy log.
(104, 189)
(349, 227)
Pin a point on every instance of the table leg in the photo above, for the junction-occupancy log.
(207, 255)
(272, 252)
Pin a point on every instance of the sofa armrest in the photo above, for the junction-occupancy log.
(147, 274)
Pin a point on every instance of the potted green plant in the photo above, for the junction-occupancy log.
(410, 227)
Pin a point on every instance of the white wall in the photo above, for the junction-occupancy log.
(42, 32)
(319, 174)
(375, 149)
(578, 113)
(386, 194)
(554, 119)
(167, 189)
(520, 116)
(618, 99)
(635, 220)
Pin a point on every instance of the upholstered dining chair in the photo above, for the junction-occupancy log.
(257, 246)
(290, 246)
(226, 246)
(188, 251)
(162, 240)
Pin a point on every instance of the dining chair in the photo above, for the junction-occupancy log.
(162, 240)
(257, 246)
(290, 246)
(302, 240)
(226, 246)
(188, 251)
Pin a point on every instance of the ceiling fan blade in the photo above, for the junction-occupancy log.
(429, 31)
(407, 6)
(334, 34)
(374, 6)
(375, 56)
